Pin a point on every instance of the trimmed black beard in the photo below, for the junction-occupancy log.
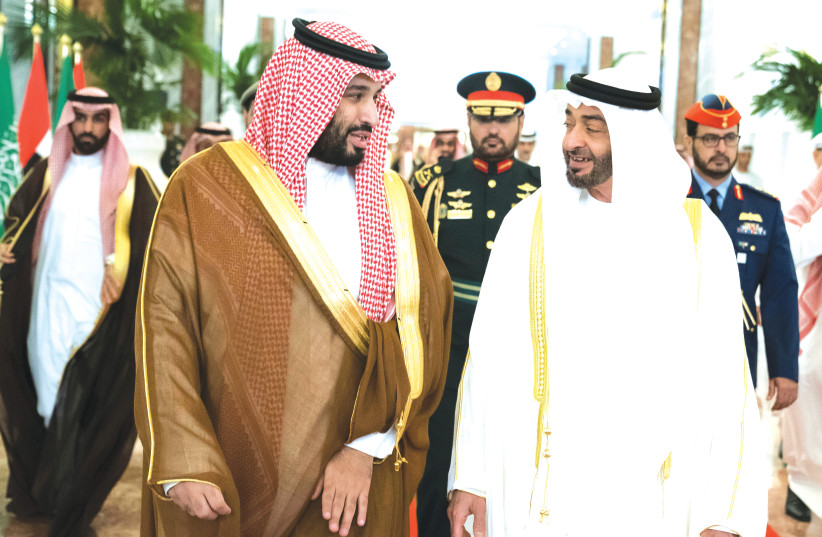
(505, 152)
(85, 146)
(702, 167)
(603, 169)
(332, 145)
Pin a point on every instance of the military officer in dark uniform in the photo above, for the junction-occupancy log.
(757, 228)
(464, 202)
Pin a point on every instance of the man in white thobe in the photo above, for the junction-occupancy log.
(70, 261)
(607, 390)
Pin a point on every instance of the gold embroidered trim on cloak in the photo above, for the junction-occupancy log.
(7, 237)
(122, 222)
(407, 292)
(151, 185)
(142, 311)
(13, 240)
(539, 341)
(745, 376)
(458, 425)
(303, 242)
(539, 334)
(693, 208)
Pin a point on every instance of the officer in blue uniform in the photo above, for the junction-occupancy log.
(755, 223)
(464, 202)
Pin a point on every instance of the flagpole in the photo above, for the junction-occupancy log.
(78, 74)
(78, 52)
(37, 31)
(65, 46)
(34, 126)
(3, 21)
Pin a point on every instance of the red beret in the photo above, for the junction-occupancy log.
(714, 111)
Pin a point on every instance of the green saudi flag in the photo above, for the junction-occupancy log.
(66, 86)
(817, 122)
(9, 160)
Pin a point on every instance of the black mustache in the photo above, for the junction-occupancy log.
(579, 152)
(360, 128)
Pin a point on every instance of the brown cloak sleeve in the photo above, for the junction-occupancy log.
(244, 377)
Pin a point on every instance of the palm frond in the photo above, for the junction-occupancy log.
(125, 51)
(795, 90)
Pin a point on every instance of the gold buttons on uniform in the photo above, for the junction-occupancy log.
(489, 244)
(491, 183)
(492, 213)
(753, 248)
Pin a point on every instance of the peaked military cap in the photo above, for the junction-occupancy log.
(494, 93)
(714, 111)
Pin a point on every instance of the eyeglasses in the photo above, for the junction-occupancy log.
(712, 140)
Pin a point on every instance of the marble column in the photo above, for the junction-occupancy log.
(606, 52)
(192, 80)
(690, 27)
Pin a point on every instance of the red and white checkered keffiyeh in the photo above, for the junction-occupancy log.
(298, 95)
(115, 166)
(810, 299)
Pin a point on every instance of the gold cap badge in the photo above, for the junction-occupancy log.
(493, 82)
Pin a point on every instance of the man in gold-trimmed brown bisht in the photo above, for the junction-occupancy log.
(77, 229)
(294, 316)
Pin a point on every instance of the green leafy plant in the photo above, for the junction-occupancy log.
(795, 91)
(244, 73)
(130, 51)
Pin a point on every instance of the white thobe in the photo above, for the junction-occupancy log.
(802, 421)
(331, 209)
(610, 417)
(68, 277)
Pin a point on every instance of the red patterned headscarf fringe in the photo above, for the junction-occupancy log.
(298, 95)
(115, 166)
(810, 299)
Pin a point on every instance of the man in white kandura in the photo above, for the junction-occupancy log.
(606, 390)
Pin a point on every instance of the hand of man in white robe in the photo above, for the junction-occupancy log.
(5, 254)
(462, 505)
(344, 486)
(200, 500)
(111, 287)
(785, 391)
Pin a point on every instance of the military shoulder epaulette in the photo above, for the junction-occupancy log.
(759, 191)
(425, 175)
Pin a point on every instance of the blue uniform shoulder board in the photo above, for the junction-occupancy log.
(759, 191)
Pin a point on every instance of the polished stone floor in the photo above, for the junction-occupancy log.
(120, 516)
